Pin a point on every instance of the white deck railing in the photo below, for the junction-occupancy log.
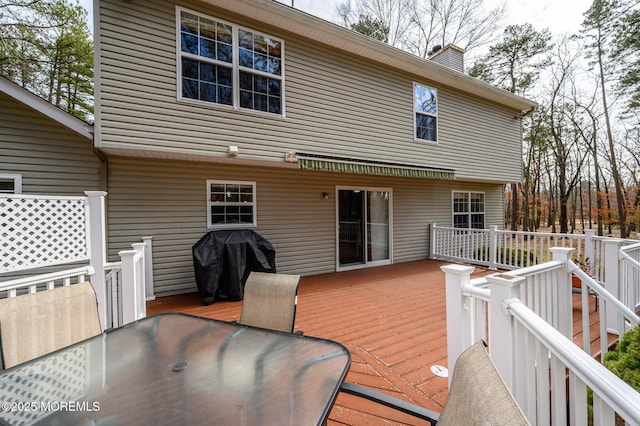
(124, 282)
(526, 316)
(32, 284)
(502, 249)
(555, 375)
(630, 274)
(50, 231)
(612, 262)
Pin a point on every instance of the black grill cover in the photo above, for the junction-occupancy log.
(223, 260)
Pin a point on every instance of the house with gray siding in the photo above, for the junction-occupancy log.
(250, 114)
(43, 149)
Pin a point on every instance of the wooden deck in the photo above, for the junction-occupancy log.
(392, 320)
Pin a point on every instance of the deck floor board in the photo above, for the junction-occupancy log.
(392, 320)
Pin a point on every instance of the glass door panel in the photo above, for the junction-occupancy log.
(377, 225)
(363, 227)
(351, 227)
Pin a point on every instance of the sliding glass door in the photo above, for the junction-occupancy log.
(364, 232)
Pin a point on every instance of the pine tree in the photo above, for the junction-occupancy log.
(46, 47)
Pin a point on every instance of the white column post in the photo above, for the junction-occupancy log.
(97, 249)
(140, 271)
(128, 290)
(563, 297)
(493, 246)
(612, 280)
(501, 339)
(459, 313)
(432, 240)
(589, 255)
(148, 266)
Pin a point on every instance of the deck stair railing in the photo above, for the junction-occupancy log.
(526, 317)
(629, 268)
(612, 261)
(53, 231)
(125, 283)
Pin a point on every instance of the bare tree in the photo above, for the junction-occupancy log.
(465, 23)
(535, 141)
(416, 25)
(565, 138)
(589, 131)
(394, 16)
(597, 26)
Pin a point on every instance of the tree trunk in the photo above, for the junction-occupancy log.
(617, 180)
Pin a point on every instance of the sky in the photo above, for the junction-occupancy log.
(559, 16)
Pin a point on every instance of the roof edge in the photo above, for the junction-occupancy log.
(325, 32)
(46, 108)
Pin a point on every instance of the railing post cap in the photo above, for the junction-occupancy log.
(567, 250)
(505, 279)
(149, 237)
(95, 193)
(457, 269)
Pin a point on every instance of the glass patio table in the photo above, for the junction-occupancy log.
(179, 369)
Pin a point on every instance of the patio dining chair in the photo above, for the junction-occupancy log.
(477, 395)
(270, 301)
(35, 324)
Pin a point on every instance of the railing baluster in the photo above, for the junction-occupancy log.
(577, 400)
(543, 404)
(558, 391)
(586, 331)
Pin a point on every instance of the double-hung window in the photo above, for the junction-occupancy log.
(10, 184)
(425, 108)
(468, 210)
(225, 64)
(231, 204)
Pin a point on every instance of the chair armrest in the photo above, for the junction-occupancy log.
(391, 402)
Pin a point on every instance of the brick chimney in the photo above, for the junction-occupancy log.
(450, 56)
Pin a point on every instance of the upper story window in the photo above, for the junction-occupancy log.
(425, 106)
(10, 184)
(468, 210)
(228, 65)
(231, 204)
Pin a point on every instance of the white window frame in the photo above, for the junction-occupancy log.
(416, 112)
(211, 203)
(234, 66)
(468, 213)
(17, 182)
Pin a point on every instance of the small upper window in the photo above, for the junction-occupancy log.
(426, 112)
(224, 64)
(10, 184)
(231, 204)
(468, 210)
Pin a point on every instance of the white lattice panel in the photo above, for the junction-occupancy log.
(41, 231)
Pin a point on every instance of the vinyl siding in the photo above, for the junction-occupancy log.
(52, 159)
(335, 105)
(450, 57)
(167, 200)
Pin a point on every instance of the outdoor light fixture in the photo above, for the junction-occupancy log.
(325, 195)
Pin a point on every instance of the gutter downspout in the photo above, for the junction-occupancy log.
(104, 169)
